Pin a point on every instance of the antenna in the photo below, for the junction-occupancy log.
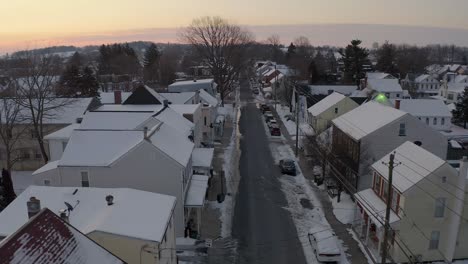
(69, 207)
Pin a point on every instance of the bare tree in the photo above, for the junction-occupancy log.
(222, 45)
(36, 93)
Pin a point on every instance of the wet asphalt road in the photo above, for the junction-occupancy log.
(264, 231)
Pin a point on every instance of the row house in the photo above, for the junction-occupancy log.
(429, 212)
(370, 131)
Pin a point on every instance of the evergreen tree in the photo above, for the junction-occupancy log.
(354, 57)
(151, 63)
(8, 192)
(89, 85)
(70, 81)
(386, 58)
(291, 51)
(460, 114)
(313, 73)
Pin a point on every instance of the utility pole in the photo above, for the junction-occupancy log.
(297, 122)
(391, 166)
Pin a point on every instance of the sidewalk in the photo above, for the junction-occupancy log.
(355, 255)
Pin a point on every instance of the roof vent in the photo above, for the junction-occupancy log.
(79, 120)
(34, 206)
(110, 200)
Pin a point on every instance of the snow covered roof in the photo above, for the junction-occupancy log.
(191, 82)
(379, 75)
(202, 157)
(208, 98)
(192, 86)
(425, 107)
(63, 133)
(367, 118)
(456, 87)
(173, 143)
(98, 147)
(327, 242)
(47, 167)
(129, 108)
(109, 98)
(421, 78)
(92, 214)
(185, 109)
(325, 103)
(47, 239)
(417, 163)
(197, 191)
(375, 207)
(454, 67)
(179, 98)
(451, 107)
(324, 89)
(461, 79)
(385, 85)
(114, 120)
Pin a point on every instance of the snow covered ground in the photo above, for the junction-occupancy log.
(299, 195)
(344, 210)
(290, 125)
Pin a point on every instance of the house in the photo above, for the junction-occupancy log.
(426, 86)
(51, 240)
(209, 110)
(389, 87)
(194, 85)
(322, 113)
(193, 113)
(429, 209)
(181, 98)
(369, 132)
(433, 113)
(379, 75)
(118, 219)
(451, 91)
(27, 148)
(329, 89)
(115, 141)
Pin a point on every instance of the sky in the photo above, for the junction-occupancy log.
(31, 23)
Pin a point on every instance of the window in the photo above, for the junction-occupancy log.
(439, 207)
(377, 181)
(25, 155)
(442, 121)
(37, 154)
(397, 95)
(434, 122)
(427, 120)
(205, 120)
(336, 110)
(434, 242)
(46, 182)
(84, 179)
(402, 131)
(450, 96)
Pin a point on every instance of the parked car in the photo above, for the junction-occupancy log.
(264, 108)
(268, 116)
(288, 166)
(272, 122)
(325, 244)
(275, 131)
(255, 91)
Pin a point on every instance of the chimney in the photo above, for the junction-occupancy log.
(64, 216)
(397, 104)
(145, 134)
(118, 97)
(110, 200)
(34, 206)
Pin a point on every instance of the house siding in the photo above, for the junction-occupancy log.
(323, 121)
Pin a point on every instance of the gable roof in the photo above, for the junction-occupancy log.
(326, 103)
(185, 109)
(425, 107)
(172, 142)
(143, 95)
(114, 120)
(179, 98)
(367, 118)
(47, 239)
(63, 133)
(92, 214)
(417, 163)
(385, 85)
(324, 89)
(379, 75)
(98, 147)
(109, 97)
(421, 78)
(208, 98)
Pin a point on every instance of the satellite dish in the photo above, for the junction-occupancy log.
(69, 207)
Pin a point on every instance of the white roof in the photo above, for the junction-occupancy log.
(109, 98)
(326, 103)
(63, 133)
(379, 75)
(175, 120)
(417, 163)
(375, 207)
(197, 191)
(49, 166)
(327, 242)
(461, 78)
(130, 108)
(366, 119)
(385, 85)
(208, 98)
(451, 107)
(114, 120)
(173, 143)
(191, 82)
(179, 98)
(98, 147)
(92, 212)
(425, 107)
(202, 157)
(185, 109)
(456, 87)
(454, 67)
(323, 89)
(421, 78)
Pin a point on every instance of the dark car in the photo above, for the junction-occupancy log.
(288, 166)
(275, 131)
(264, 108)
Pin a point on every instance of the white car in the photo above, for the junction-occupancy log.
(325, 245)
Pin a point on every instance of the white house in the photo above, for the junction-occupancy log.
(194, 85)
(389, 87)
(58, 140)
(429, 209)
(426, 86)
(133, 225)
(433, 113)
(134, 149)
(451, 91)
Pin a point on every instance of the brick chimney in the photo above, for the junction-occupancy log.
(34, 206)
(118, 97)
(397, 103)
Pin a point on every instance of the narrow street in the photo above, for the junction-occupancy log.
(264, 230)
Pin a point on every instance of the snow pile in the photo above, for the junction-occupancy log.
(343, 210)
(290, 125)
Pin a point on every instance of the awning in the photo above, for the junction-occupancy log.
(375, 207)
(202, 157)
(197, 191)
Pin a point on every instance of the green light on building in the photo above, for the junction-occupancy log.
(381, 98)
